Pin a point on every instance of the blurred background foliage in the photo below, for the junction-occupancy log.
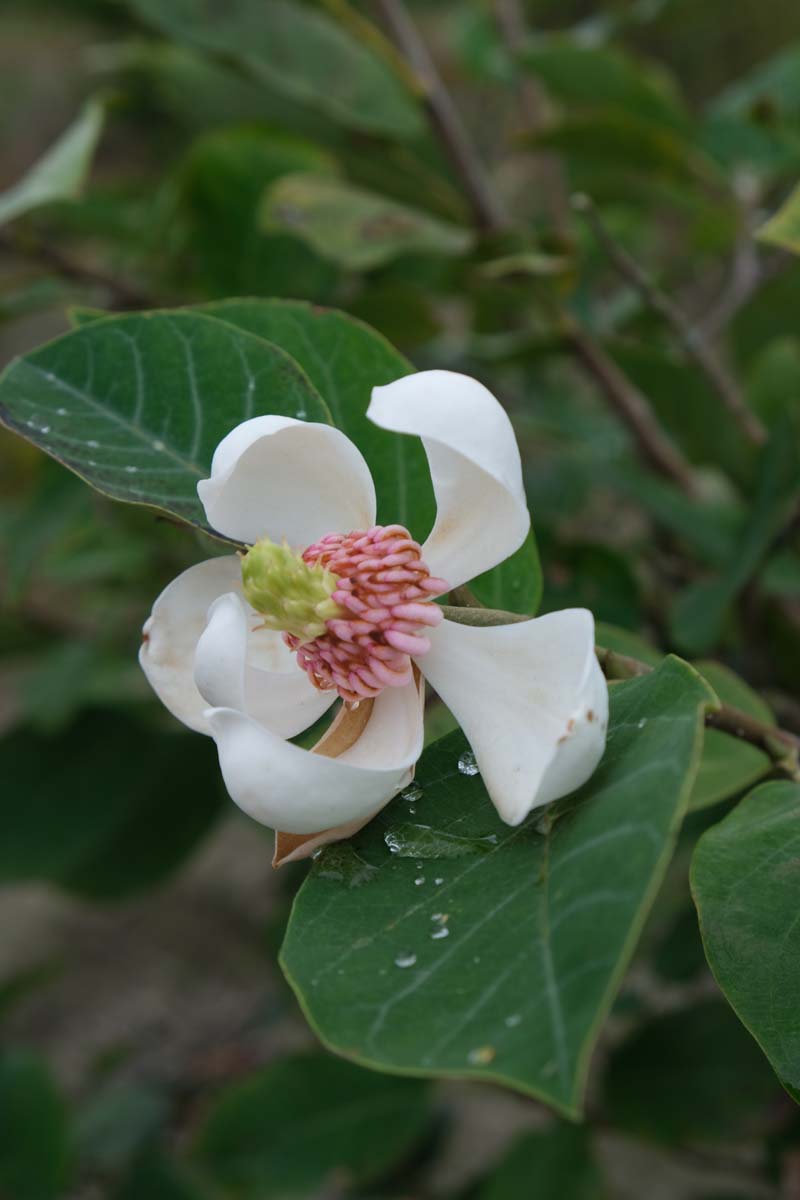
(150, 1050)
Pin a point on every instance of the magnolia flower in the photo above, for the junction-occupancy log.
(328, 605)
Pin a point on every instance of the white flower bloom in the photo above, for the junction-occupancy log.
(529, 696)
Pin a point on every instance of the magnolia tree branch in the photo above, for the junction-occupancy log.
(780, 745)
(487, 207)
(653, 444)
(695, 345)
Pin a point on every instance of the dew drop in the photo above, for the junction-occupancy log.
(440, 921)
(513, 1020)
(412, 810)
(419, 880)
(412, 794)
(159, 445)
(50, 376)
(438, 934)
(641, 724)
(405, 960)
(62, 412)
(45, 429)
(94, 445)
(481, 1056)
(439, 880)
(467, 764)
(131, 470)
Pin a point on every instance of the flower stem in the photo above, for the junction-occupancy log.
(782, 747)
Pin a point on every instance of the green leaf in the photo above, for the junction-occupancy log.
(106, 808)
(745, 875)
(514, 585)
(34, 1139)
(287, 1130)
(345, 360)
(783, 228)
(690, 1074)
(699, 615)
(60, 174)
(153, 1176)
(532, 962)
(602, 77)
(136, 405)
(558, 1159)
(352, 227)
(299, 52)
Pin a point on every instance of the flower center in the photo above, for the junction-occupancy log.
(354, 606)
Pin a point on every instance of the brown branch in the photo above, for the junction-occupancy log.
(123, 295)
(782, 747)
(653, 444)
(487, 207)
(695, 346)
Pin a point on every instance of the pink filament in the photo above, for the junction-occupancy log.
(386, 591)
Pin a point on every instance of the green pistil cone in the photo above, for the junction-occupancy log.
(292, 596)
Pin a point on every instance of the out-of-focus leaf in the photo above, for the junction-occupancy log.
(60, 174)
(692, 1074)
(352, 227)
(306, 1121)
(106, 808)
(533, 964)
(773, 379)
(602, 77)
(624, 642)
(699, 616)
(772, 86)
(298, 51)
(626, 140)
(592, 576)
(153, 1176)
(116, 1121)
(781, 574)
(709, 530)
(34, 1136)
(558, 1159)
(136, 405)
(729, 764)
(783, 228)
(219, 186)
(745, 877)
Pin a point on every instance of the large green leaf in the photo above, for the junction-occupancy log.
(514, 585)
(745, 876)
(298, 51)
(353, 227)
(288, 1130)
(136, 405)
(345, 360)
(60, 174)
(34, 1137)
(495, 952)
(783, 228)
(558, 1159)
(106, 808)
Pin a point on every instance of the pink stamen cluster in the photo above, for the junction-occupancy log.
(386, 591)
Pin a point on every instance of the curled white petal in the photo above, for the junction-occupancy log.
(482, 515)
(277, 692)
(281, 478)
(532, 701)
(297, 791)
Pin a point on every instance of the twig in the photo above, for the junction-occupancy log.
(696, 347)
(124, 295)
(782, 747)
(631, 406)
(487, 207)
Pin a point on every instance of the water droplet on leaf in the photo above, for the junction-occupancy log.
(405, 960)
(467, 764)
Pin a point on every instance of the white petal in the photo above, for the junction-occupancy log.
(473, 455)
(285, 702)
(298, 791)
(276, 477)
(531, 699)
(276, 690)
